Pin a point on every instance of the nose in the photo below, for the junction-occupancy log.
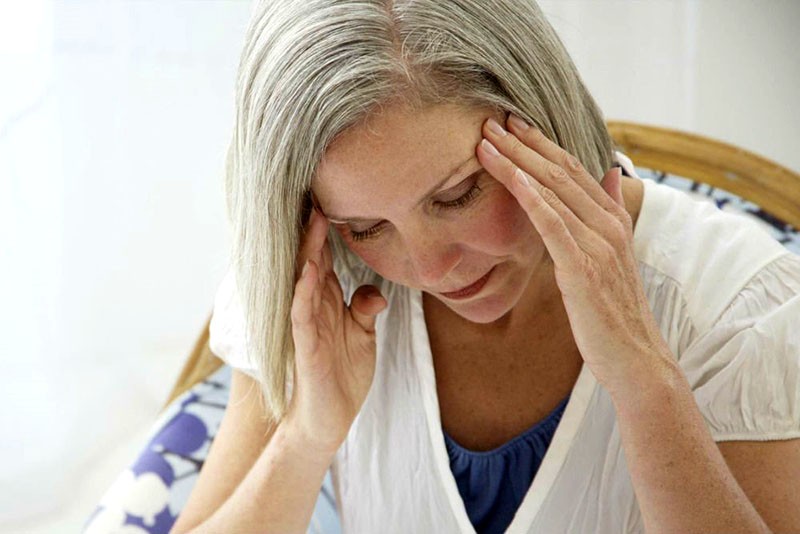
(431, 257)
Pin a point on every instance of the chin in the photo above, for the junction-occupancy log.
(496, 307)
(482, 311)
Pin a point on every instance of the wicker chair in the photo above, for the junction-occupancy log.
(774, 188)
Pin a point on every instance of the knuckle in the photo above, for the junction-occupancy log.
(626, 225)
(590, 272)
(557, 174)
(626, 220)
(550, 196)
(617, 233)
(591, 275)
(571, 162)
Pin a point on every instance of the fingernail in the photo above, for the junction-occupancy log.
(496, 128)
(489, 147)
(305, 269)
(517, 122)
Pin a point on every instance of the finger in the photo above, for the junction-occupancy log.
(549, 174)
(550, 220)
(335, 288)
(311, 240)
(327, 255)
(320, 261)
(612, 184)
(332, 279)
(540, 143)
(533, 197)
(367, 302)
(317, 296)
(303, 323)
(317, 250)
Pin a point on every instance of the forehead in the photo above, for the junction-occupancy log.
(395, 154)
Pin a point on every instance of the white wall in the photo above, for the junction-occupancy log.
(114, 118)
(729, 69)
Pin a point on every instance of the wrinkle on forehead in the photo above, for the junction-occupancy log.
(386, 164)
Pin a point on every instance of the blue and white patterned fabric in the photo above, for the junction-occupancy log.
(149, 495)
(781, 231)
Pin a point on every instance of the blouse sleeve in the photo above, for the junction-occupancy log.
(226, 331)
(745, 371)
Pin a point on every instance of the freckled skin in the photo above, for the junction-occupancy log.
(503, 358)
(379, 170)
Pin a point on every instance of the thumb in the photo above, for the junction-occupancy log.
(367, 302)
(612, 184)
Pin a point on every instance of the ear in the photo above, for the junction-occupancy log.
(612, 184)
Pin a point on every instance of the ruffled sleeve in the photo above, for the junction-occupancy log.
(745, 370)
(226, 332)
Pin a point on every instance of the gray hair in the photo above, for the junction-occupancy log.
(311, 69)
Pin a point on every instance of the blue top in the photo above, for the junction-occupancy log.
(493, 483)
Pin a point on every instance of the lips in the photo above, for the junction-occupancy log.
(466, 286)
(470, 289)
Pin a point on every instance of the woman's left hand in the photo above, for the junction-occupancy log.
(589, 235)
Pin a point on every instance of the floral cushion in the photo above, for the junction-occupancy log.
(150, 494)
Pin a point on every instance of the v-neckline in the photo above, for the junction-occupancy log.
(551, 463)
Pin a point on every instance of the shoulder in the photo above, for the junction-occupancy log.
(227, 330)
(709, 254)
(744, 370)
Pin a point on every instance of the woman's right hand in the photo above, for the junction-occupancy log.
(334, 344)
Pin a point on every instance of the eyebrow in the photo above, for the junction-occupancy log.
(458, 170)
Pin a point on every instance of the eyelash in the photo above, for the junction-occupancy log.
(460, 202)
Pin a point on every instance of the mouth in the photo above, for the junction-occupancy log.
(471, 289)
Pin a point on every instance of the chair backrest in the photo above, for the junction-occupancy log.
(774, 188)
(200, 365)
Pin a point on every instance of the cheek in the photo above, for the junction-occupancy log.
(370, 255)
(499, 225)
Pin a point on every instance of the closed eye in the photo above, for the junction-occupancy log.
(460, 202)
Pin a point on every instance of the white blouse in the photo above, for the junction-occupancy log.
(726, 296)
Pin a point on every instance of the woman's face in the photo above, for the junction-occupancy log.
(423, 213)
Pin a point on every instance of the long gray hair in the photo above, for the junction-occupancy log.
(311, 69)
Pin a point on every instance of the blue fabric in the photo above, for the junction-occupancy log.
(148, 496)
(493, 483)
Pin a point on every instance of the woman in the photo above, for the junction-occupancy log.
(611, 330)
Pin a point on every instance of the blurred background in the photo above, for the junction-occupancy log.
(114, 121)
